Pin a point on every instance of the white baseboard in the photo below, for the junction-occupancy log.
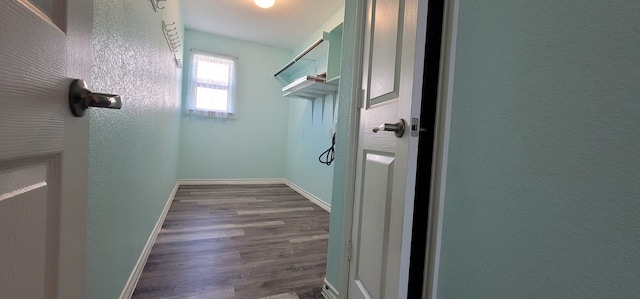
(325, 206)
(142, 260)
(231, 182)
(328, 291)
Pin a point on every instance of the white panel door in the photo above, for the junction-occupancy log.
(391, 75)
(43, 148)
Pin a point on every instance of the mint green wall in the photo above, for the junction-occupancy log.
(542, 197)
(305, 142)
(253, 145)
(309, 136)
(132, 152)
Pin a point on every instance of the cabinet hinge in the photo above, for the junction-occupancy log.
(349, 250)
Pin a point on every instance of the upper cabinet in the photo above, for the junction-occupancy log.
(315, 72)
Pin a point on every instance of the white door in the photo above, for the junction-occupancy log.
(392, 80)
(43, 148)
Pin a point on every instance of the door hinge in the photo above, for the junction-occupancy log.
(360, 98)
(349, 250)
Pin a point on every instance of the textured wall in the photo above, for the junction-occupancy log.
(254, 144)
(542, 186)
(133, 152)
(308, 136)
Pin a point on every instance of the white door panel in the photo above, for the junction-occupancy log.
(373, 229)
(384, 49)
(32, 72)
(28, 221)
(43, 148)
(390, 78)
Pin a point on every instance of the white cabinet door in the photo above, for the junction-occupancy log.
(43, 148)
(391, 73)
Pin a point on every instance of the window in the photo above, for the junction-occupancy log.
(211, 85)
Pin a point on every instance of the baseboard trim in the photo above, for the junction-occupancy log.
(308, 195)
(231, 182)
(127, 292)
(328, 291)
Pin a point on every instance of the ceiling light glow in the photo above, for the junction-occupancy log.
(265, 3)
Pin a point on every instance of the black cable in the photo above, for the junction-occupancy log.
(330, 153)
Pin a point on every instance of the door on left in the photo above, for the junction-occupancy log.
(44, 44)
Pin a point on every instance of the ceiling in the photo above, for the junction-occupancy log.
(286, 25)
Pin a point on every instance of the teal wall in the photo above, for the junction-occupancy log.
(132, 152)
(253, 145)
(310, 135)
(542, 197)
(306, 140)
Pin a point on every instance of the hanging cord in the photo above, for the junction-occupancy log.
(330, 153)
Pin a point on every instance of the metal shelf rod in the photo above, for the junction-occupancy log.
(305, 52)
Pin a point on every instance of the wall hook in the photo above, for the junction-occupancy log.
(166, 26)
(158, 4)
(172, 37)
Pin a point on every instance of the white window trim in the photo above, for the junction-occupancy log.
(192, 84)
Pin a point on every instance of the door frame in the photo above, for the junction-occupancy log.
(441, 146)
(355, 94)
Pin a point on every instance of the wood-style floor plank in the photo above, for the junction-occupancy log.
(238, 241)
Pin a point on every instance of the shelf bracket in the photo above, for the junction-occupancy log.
(313, 108)
(324, 99)
(333, 107)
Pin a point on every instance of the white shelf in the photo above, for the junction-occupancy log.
(309, 88)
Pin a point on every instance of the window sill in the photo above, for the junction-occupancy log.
(213, 114)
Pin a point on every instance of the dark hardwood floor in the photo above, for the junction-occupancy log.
(238, 241)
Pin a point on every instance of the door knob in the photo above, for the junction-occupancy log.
(81, 98)
(397, 128)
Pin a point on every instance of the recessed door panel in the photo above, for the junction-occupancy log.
(28, 230)
(374, 224)
(52, 11)
(384, 51)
